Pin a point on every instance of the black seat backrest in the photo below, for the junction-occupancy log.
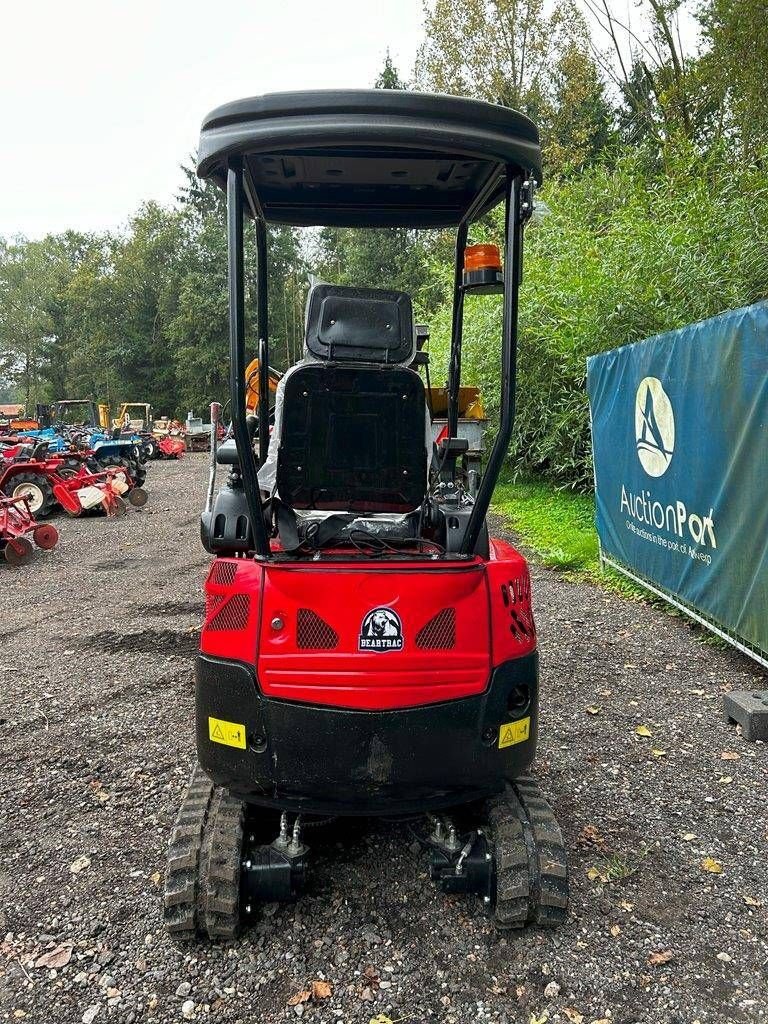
(352, 439)
(359, 325)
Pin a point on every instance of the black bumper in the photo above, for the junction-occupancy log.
(324, 760)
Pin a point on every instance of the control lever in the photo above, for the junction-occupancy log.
(215, 418)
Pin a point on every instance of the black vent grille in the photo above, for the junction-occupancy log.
(223, 573)
(516, 596)
(439, 634)
(313, 633)
(233, 614)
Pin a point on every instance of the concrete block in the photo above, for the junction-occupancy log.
(749, 708)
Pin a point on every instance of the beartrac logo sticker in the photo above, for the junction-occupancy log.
(381, 630)
(654, 427)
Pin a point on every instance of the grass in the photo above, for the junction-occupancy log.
(618, 866)
(559, 528)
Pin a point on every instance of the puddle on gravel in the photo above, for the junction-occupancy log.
(148, 641)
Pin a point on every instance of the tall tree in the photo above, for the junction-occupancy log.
(198, 329)
(139, 316)
(27, 285)
(526, 55)
(734, 68)
(72, 254)
(651, 69)
(496, 50)
(389, 76)
(577, 121)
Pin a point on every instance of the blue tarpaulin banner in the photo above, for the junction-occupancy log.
(680, 438)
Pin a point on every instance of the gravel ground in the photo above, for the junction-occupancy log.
(96, 744)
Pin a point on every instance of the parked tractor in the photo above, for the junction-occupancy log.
(46, 481)
(135, 421)
(78, 445)
(80, 412)
(134, 416)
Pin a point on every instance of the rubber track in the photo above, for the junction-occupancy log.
(531, 867)
(219, 898)
(203, 873)
(183, 872)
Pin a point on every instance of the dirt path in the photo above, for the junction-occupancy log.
(96, 743)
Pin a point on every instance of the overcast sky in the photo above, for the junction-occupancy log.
(101, 100)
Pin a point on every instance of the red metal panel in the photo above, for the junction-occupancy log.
(488, 605)
(232, 593)
(509, 589)
(374, 679)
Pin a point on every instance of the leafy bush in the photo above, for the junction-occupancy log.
(623, 254)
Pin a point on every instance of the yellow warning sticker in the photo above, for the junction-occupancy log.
(231, 734)
(514, 732)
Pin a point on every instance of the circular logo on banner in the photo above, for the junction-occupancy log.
(654, 427)
(381, 630)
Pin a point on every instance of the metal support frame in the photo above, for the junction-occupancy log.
(513, 258)
(454, 374)
(262, 314)
(514, 219)
(755, 653)
(237, 383)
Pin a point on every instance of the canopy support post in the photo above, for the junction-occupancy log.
(457, 330)
(262, 292)
(235, 267)
(513, 261)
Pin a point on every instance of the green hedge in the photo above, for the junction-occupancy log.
(622, 254)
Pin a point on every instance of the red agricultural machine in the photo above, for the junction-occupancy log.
(367, 648)
(45, 481)
(18, 529)
(170, 447)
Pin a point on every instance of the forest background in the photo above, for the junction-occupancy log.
(654, 214)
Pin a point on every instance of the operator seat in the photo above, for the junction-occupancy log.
(352, 435)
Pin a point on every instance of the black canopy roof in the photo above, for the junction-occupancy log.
(374, 157)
